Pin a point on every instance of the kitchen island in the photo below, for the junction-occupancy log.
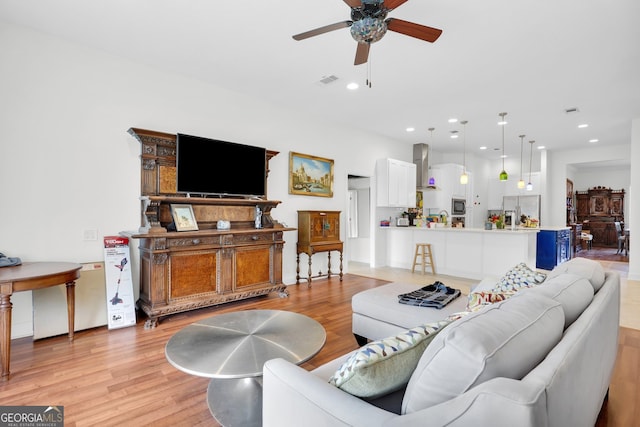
(471, 253)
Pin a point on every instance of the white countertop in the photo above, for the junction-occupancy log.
(518, 230)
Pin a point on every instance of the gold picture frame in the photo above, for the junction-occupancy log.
(310, 175)
(183, 217)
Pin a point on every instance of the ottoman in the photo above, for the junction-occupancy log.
(377, 313)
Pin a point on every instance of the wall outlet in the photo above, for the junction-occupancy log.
(90, 234)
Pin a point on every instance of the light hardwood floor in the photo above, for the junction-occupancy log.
(121, 377)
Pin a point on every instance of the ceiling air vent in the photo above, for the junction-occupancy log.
(328, 79)
(571, 110)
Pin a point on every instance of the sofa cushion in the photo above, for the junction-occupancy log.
(506, 339)
(383, 366)
(573, 292)
(587, 268)
(519, 277)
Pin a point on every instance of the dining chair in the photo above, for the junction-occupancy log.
(622, 238)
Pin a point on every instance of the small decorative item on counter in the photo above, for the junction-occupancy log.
(500, 223)
(384, 223)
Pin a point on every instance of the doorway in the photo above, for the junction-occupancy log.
(359, 219)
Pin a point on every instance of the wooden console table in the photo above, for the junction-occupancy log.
(27, 277)
(318, 231)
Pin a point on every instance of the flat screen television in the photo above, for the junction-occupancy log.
(212, 167)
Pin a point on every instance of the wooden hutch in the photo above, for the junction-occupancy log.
(597, 209)
(181, 271)
(318, 231)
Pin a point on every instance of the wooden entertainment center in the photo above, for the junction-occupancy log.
(187, 270)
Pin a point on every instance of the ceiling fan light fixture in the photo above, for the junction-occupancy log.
(368, 30)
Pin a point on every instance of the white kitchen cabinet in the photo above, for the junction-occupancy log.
(396, 183)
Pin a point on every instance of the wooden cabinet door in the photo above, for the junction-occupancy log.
(316, 231)
(599, 205)
(332, 227)
(616, 205)
(192, 272)
(582, 206)
(253, 266)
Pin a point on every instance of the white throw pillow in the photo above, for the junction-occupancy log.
(519, 277)
(506, 339)
(386, 365)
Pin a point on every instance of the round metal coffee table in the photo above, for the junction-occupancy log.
(232, 348)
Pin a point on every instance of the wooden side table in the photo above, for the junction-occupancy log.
(27, 277)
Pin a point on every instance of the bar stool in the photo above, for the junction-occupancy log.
(423, 250)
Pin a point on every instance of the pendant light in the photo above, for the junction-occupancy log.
(503, 175)
(464, 178)
(521, 182)
(530, 185)
(432, 180)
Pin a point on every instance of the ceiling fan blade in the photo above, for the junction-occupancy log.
(392, 4)
(362, 53)
(353, 3)
(322, 30)
(411, 29)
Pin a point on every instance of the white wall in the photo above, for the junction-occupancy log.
(68, 164)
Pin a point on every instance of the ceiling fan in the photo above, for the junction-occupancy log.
(369, 24)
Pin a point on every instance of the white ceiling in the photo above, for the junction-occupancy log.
(531, 59)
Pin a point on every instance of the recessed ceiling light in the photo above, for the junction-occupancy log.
(583, 125)
(504, 156)
(483, 147)
(541, 147)
(594, 140)
(453, 120)
(454, 136)
(353, 86)
(410, 129)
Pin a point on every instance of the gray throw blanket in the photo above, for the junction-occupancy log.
(436, 295)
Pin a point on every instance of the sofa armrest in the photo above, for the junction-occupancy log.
(293, 396)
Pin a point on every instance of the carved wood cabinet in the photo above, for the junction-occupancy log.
(597, 210)
(318, 231)
(181, 271)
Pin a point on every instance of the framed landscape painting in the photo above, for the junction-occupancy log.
(310, 175)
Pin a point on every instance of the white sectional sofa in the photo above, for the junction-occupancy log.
(542, 357)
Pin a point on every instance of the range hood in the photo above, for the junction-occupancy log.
(421, 160)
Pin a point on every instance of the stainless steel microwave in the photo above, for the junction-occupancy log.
(458, 207)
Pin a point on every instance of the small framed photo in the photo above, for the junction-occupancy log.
(184, 218)
(310, 175)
